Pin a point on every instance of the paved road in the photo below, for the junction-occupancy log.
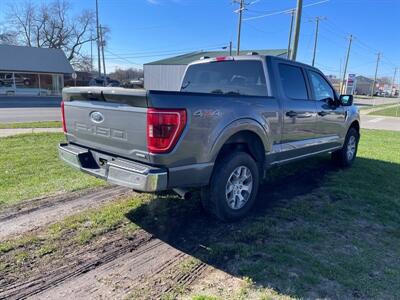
(29, 109)
(35, 114)
(377, 122)
(28, 102)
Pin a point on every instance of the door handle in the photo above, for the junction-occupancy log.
(323, 113)
(291, 114)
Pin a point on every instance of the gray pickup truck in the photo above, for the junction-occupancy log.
(233, 119)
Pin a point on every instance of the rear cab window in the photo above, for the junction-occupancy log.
(230, 77)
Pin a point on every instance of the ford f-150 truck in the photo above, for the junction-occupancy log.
(233, 119)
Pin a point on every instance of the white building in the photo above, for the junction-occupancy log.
(166, 74)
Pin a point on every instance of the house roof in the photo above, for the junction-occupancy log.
(32, 59)
(190, 57)
(361, 78)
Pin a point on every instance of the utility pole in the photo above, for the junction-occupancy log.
(290, 33)
(346, 64)
(241, 8)
(102, 42)
(91, 51)
(376, 72)
(297, 29)
(98, 37)
(394, 82)
(317, 19)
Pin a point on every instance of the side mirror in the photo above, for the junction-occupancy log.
(346, 100)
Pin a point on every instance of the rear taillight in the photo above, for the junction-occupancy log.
(164, 127)
(63, 117)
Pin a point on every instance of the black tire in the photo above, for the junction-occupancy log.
(214, 198)
(340, 157)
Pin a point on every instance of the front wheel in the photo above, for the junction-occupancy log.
(346, 156)
(233, 187)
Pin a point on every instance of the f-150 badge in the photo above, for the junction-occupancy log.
(207, 113)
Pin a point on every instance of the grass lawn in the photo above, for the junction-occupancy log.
(48, 124)
(388, 112)
(339, 239)
(30, 167)
(317, 231)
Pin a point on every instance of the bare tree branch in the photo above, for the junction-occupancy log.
(51, 26)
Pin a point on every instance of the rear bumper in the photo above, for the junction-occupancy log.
(118, 171)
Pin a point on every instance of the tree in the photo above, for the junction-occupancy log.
(51, 25)
(127, 74)
(7, 37)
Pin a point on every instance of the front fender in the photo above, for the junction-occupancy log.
(237, 126)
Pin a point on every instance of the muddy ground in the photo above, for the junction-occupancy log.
(168, 255)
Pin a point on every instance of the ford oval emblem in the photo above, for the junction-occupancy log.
(96, 117)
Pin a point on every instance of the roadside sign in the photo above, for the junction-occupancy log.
(74, 76)
(351, 84)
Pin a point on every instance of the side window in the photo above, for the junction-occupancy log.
(293, 83)
(322, 90)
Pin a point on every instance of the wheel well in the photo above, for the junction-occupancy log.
(356, 126)
(246, 141)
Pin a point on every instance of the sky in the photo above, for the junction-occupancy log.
(147, 30)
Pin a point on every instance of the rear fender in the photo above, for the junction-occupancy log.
(236, 127)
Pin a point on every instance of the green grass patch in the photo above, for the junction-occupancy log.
(340, 239)
(393, 111)
(47, 124)
(30, 167)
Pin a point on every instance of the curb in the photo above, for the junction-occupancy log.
(15, 131)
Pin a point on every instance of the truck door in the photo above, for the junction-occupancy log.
(299, 110)
(330, 117)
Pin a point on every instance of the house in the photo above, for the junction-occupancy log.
(166, 74)
(32, 71)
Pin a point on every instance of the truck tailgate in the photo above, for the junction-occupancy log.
(112, 120)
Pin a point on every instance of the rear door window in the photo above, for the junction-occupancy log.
(293, 82)
(240, 77)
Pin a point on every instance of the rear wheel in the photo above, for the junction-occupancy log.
(233, 187)
(346, 156)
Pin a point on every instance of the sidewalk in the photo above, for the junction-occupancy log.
(15, 131)
(372, 109)
(380, 122)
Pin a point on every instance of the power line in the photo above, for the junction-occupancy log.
(122, 58)
(283, 11)
(151, 51)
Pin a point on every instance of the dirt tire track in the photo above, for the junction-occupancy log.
(36, 213)
(119, 277)
(75, 269)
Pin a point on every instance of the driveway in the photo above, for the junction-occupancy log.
(29, 109)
